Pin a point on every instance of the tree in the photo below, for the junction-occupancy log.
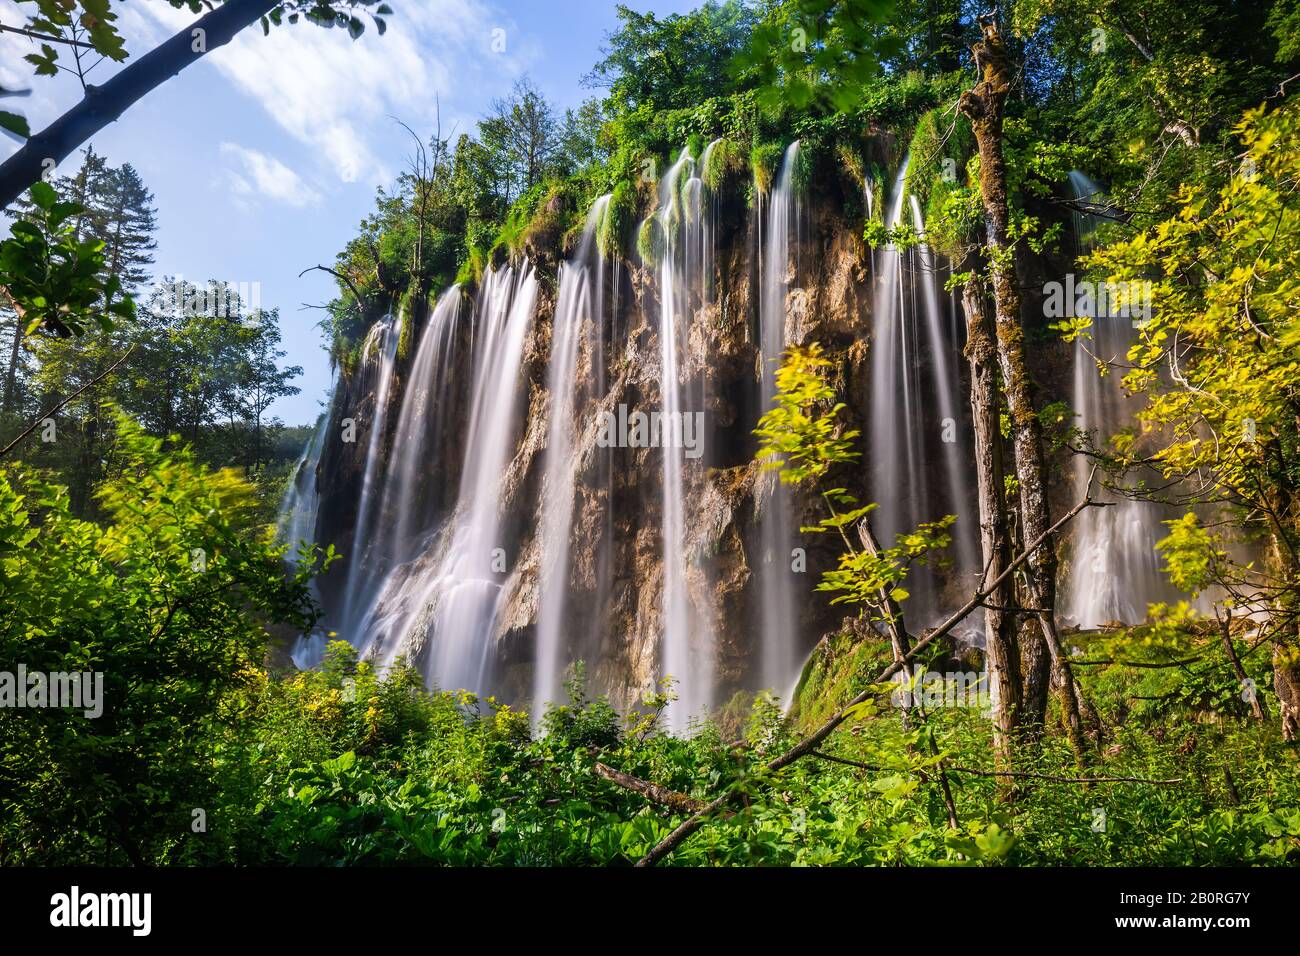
(984, 106)
(672, 62)
(168, 602)
(262, 380)
(126, 220)
(520, 135)
(1224, 299)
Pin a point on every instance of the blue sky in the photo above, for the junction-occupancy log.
(264, 156)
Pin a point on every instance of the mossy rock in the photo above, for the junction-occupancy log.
(650, 242)
(840, 667)
(765, 161)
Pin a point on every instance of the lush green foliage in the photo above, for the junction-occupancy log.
(170, 600)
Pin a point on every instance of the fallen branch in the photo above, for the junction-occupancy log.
(56, 409)
(1127, 663)
(822, 755)
(811, 742)
(1055, 779)
(681, 802)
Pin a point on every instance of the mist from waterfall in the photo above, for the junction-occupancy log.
(779, 650)
(687, 647)
(1115, 569)
(579, 306)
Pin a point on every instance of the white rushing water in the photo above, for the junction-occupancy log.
(440, 607)
(578, 306)
(408, 502)
(296, 523)
(779, 650)
(1115, 569)
(379, 350)
(919, 465)
(687, 650)
(944, 350)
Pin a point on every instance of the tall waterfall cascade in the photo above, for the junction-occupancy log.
(918, 459)
(778, 662)
(579, 312)
(687, 647)
(485, 548)
(1115, 569)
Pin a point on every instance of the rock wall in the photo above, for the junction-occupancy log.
(616, 570)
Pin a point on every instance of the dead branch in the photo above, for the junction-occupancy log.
(672, 799)
(50, 413)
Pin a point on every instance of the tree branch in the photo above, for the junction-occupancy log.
(104, 104)
(55, 410)
(811, 742)
(49, 38)
(672, 799)
(338, 275)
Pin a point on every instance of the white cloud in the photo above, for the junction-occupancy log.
(262, 175)
(333, 93)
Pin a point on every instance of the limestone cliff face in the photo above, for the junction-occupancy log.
(613, 608)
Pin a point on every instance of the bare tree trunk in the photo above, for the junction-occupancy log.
(1256, 702)
(984, 106)
(1001, 650)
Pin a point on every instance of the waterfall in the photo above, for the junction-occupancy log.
(914, 429)
(379, 349)
(779, 651)
(440, 607)
(1115, 570)
(579, 302)
(296, 518)
(408, 502)
(296, 524)
(956, 457)
(687, 652)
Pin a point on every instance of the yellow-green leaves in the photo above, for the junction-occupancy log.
(1190, 553)
(801, 436)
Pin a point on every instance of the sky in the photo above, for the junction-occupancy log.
(264, 156)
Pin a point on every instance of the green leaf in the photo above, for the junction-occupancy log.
(44, 196)
(15, 123)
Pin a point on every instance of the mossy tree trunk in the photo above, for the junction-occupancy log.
(1001, 647)
(984, 106)
(1286, 612)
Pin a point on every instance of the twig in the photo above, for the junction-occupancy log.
(55, 410)
(1055, 779)
(32, 34)
(821, 754)
(338, 275)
